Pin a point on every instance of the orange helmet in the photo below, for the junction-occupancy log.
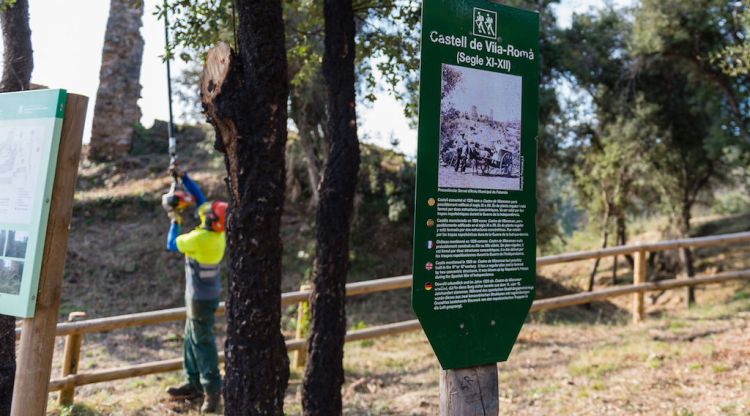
(213, 215)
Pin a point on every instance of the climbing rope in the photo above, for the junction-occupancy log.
(170, 125)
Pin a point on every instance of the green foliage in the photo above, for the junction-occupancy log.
(386, 40)
(691, 37)
(195, 26)
(6, 4)
(686, 154)
(78, 410)
(387, 179)
(659, 118)
(731, 203)
(607, 139)
(611, 176)
(734, 59)
(359, 325)
(388, 45)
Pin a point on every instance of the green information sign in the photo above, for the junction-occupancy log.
(30, 125)
(474, 234)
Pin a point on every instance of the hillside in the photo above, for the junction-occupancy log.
(116, 259)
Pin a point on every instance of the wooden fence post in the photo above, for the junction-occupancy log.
(469, 391)
(639, 276)
(303, 318)
(71, 358)
(34, 363)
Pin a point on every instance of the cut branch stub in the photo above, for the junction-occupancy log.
(217, 84)
(216, 72)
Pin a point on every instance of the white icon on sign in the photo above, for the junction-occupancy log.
(485, 23)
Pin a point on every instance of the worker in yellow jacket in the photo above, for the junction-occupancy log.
(203, 248)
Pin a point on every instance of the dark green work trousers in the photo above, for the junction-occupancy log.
(201, 358)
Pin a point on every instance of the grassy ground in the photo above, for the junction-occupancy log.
(694, 362)
(573, 361)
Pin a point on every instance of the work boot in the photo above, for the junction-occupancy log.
(211, 403)
(186, 391)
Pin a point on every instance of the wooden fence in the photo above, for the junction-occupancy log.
(75, 329)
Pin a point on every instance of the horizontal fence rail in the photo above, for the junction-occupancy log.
(175, 364)
(386, 284)
(77, 328)
(697, 242)
(402, 327)
(604, 294)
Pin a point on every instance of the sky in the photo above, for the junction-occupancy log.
(67, 38)
(483, 88)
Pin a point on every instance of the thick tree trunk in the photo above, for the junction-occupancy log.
(18, 62)
(324, 374)
(116, 111)
(244, 96)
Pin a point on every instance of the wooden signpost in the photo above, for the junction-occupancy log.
(474, 261)
(38, 333)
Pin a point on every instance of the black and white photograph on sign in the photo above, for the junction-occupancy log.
(11, 272)
(12, 253)
(480, 130)
(16, 244)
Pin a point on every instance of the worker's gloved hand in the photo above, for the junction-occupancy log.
(174, 170)
(175, 216)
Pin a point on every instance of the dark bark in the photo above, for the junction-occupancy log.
(244, 96)
(324, 374)
(7, 362)
(18, 62)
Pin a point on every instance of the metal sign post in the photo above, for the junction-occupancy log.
(474, 256)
